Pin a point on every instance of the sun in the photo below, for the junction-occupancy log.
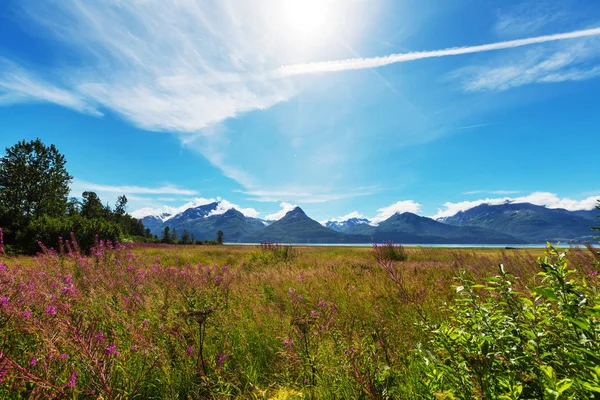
(305, 17)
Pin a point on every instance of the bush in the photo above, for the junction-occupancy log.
(49, 230)
(390, 252)
(502, 344)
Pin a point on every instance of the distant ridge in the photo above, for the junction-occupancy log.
(535, 224)
(297, 227)
(510, 223)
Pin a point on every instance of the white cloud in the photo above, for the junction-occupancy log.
(528, 17)
(398, 207)
(307, 194)
(225, 206)
(375, 62)
(353, 214)
(19, 86)
(547, 199)
(542, 65)
(285, 208)
(81, 186)
(222, 207)
(176, 66)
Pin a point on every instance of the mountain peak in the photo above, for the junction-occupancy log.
(296, 212)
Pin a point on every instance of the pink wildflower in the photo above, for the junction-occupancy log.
(189, 351)
(63, 356)
(33, 362)
(50, 310)
(72, 380)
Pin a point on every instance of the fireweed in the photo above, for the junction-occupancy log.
(167, 322)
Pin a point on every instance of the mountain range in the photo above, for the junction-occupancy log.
(509, 223)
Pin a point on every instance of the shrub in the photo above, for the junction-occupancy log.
(390, 252)
(50, 230)
(502, 344)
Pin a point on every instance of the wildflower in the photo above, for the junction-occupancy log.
(189, 351)
(26, 314)
(288, 343)
(50, 310)
(349, 352)
(322, 304)
(129, 267)
(300, 277)
(33, 362)
(594, 274)
(218, 279)
(72, 380)
(4, 300)
(145, 322)
(3, 267)
(314, 313)
(221, 360)
(112, 349)
(63, 356)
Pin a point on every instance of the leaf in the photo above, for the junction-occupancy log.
(546, 292)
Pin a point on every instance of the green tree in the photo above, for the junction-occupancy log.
(121, 206)
(185, 237)
(166, 237)
(174, 237)
(33, 182)
(91, 206)
(220, 237)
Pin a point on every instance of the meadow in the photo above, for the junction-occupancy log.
(273, 322)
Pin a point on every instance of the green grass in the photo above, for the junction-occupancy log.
(325, 323)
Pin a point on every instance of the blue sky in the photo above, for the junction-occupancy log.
(340, 106)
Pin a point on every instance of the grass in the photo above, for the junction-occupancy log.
(230, 322)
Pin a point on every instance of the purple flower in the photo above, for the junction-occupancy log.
(50, 310)
(221, 360)
(4, 300)
(288, 343)
(72, 380)
(145, 322)
(112, 349)
(26, 314)
(99, 336)
(594, 274)
(3, 267)
(300, 277)
(63, 356)
(314, 313)
(33, 362)
(189, 351)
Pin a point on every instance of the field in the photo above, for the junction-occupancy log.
(270, 322)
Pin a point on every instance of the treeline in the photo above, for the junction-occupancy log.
(170, 236)
(35, 205)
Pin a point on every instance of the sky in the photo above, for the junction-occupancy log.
(346, 108)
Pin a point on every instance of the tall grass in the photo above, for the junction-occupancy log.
(229, 322)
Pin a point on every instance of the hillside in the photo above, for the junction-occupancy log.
(536, 224)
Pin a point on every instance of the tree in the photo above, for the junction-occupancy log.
(33, 182)
(166, 237)
(121, 206)
(92, 207)
(220, 237)
(185, 237)
(174, 237)
(147, 233)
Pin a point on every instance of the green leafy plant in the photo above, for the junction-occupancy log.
(500, 343)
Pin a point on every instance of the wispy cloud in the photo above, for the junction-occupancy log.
(375, 62)
(80, 186)
(308, 194)
(529, 17)
(574, 62)
(550, 200)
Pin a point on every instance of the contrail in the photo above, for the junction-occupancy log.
(374, 62)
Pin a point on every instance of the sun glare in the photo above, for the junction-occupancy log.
(305, 17)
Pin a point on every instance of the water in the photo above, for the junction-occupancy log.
(462, 246)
